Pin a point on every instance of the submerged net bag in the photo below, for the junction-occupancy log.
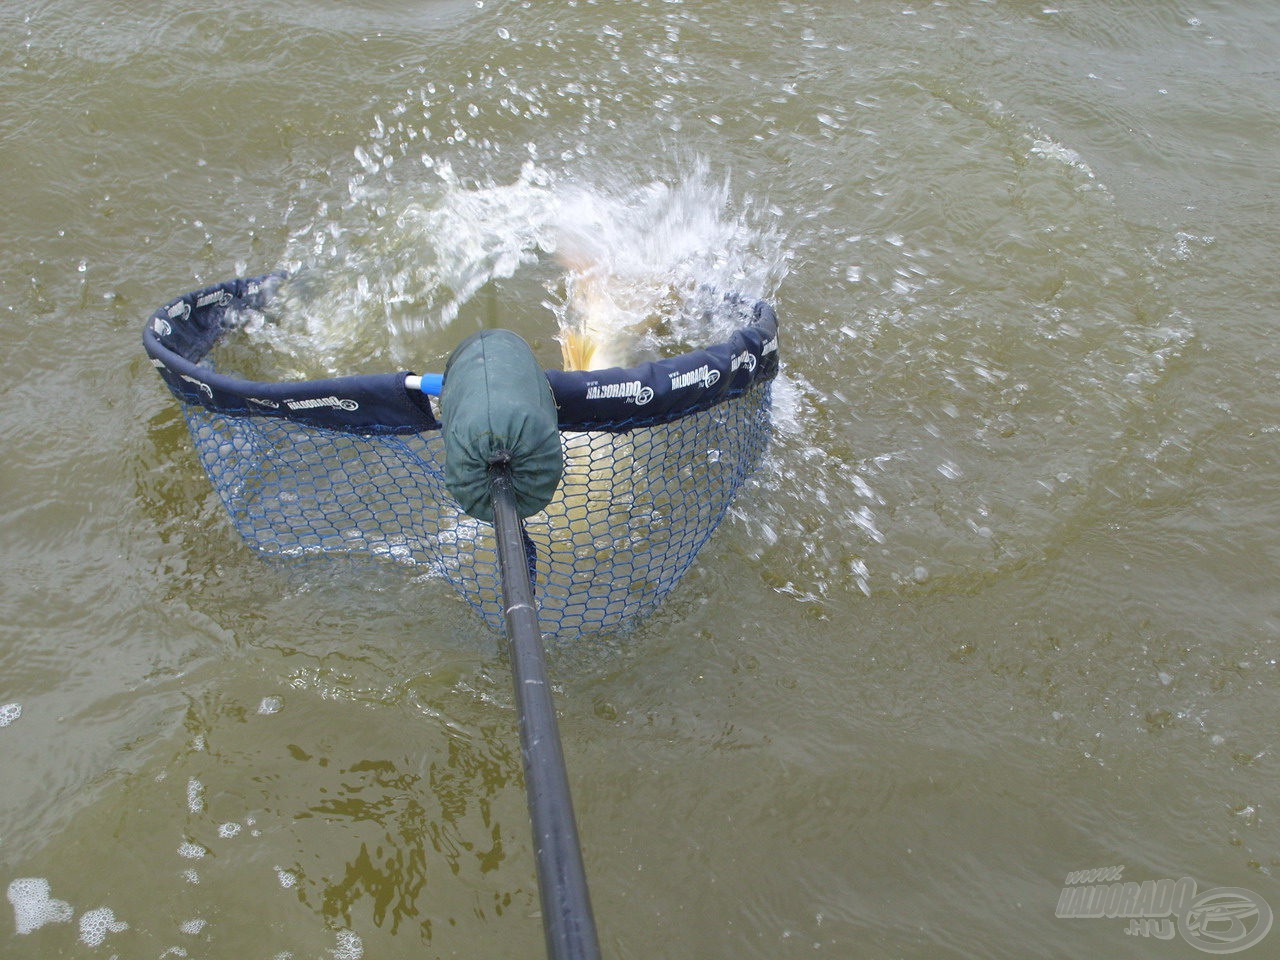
(653, 456)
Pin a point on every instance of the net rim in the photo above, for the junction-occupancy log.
(179, 335)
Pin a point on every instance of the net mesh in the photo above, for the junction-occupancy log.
(635, 505)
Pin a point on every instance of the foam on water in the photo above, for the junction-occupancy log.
(350, 946)
(191, 851)
(96, 924)
(10, 712)
(34, 905)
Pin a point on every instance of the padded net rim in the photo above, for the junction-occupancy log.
(179, 335)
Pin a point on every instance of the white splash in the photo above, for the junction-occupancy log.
(642, 248)
(648, 267)
(270, 705)
(1048, 149)
(33, 906)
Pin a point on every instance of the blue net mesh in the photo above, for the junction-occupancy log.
(654, 455)
(631, 513)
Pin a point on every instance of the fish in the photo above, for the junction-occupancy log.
(593, 332)
(608, 310)
(593, 514)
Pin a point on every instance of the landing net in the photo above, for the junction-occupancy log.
(654, 455)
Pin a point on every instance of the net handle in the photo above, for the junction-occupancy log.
(428, 383)
(567, 919)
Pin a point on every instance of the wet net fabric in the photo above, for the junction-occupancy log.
(635, 505)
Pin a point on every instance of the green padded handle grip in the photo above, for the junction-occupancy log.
(497, 408)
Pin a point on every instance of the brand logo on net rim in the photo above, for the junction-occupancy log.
(1220, 920)
(219, 297)
(204, 387)
(704, 375)
(338, 403)
(631, 391)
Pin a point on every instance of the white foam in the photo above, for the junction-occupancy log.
(270, 705)
(191, 851)
(1051, 150)
(192, 927)
(349, 947)
(287, 877)
(195, 795)
(9, 713)
(33, 907)
(96, 924)
(229, 830)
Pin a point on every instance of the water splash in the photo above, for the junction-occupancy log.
(384, 287)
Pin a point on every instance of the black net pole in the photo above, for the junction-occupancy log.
(562, 882)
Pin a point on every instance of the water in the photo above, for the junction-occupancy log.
(999, 607)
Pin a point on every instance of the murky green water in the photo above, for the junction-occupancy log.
(1001, 605)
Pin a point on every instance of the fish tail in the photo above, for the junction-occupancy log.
(578, 349)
